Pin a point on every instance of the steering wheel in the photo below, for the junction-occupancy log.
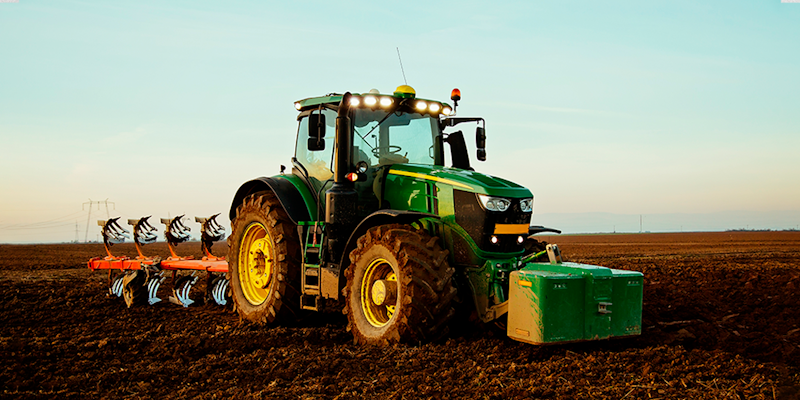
(391, 149)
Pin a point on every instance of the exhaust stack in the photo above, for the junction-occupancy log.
(342, 198)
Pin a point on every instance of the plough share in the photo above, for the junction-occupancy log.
(137, 280)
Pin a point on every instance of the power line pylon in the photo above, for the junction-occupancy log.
(89, 217)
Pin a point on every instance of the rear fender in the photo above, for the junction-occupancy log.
(293, 195)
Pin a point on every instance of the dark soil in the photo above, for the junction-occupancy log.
(721, 320)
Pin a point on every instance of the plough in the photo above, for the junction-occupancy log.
(137, 280)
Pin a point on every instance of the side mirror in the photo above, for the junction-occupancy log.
(316, 132)
(480, 142)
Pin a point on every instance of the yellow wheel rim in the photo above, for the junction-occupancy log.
(377, 315)
(255, 264)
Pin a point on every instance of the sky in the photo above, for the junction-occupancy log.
(672, 110)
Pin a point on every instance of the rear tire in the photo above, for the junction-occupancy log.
(399, 287)
(264, 261)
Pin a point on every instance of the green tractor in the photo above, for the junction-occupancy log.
(384, 216)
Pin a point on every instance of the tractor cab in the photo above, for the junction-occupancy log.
(385, 130)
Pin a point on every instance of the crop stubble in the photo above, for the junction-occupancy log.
(721, 320)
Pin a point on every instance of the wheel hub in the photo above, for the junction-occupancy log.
(379, 293)
(260, 264)
(384, 292)
(255, 263)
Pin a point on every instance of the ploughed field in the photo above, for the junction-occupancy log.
(721, 320)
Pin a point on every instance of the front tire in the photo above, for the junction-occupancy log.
(399, 287)
(264, 261)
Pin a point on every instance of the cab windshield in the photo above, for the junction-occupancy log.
(382, 138)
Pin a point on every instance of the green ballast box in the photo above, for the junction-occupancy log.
(570, 302)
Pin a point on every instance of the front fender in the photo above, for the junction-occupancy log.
(380, 217)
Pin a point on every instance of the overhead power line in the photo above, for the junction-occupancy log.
(51, 223)
(24, 228)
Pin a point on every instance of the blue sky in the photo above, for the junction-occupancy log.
(625, 107)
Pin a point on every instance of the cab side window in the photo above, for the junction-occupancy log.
(318, 163)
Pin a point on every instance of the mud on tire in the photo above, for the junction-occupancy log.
(264, 261)
(413, 300)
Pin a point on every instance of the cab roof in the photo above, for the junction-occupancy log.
(375, 100)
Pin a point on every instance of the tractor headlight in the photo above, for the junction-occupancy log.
(498, 204)
(526, 205)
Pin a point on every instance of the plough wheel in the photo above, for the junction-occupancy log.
(133, 289)
(264, 261)
(399, 287)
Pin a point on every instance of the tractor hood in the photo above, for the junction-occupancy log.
(468, 181)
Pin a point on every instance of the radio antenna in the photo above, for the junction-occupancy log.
(401, 66)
